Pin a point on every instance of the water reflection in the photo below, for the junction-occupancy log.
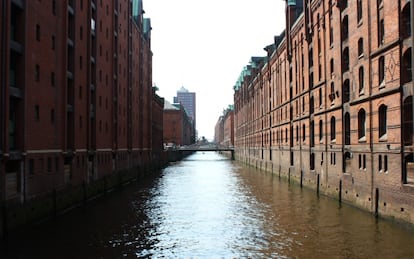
(201, 209)
(209, 206)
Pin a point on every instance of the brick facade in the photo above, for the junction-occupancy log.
(76, 93)
(178, 127)
(331, 103)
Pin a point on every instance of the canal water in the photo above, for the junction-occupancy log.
(210, 207)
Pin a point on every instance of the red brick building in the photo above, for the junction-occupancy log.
(157, 128)
(178, 127)
(228, 136)
(224, 129)
(219, 131)
(76, 98)
(330, 105)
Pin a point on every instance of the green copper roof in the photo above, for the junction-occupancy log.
(291, 2)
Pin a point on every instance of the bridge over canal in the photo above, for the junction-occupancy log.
(208, 148)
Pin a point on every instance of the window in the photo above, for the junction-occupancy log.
(407, 122)
(382, 122)
(346, 93)
(345, 57)
(333, 128)
(359, 10)
(311, 105)
(332, 94)
(364, 162)
(385, 163)
(331, 34)
(406, 75)
(361, 125)
(37, 32)
(312, 133)
(57, 164)
(406, 22)
(361, 79)
(347, 129)
(320, 97)
(312, 161)
(52, 78)
(297, 133)
(52, 116)
(345, 31)
(80, 62)
(286, 135)
(332, 66)
(360, 47)
(379, 163)
(54, 7)
(381, 71)
(31, 166)
(53, 42)
(320, 130)
(380, 3)
(381, 32)
(37, 73)
(49, 164)
(37, 112)
(303, 132)
(310, 58)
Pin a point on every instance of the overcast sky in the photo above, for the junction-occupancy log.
(203, 45)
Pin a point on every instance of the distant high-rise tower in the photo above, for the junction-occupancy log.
(188, 100)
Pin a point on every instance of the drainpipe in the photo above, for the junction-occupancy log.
(412, 52)
(370, 115)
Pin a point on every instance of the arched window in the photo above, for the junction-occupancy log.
(345, 57)
(359, 10)
(332, 93)
(360, 47)
(382, 121)
(406, 73)
(406, 22)
(345, 31)
(361, 124)
(333, 128)
(408, 121)
(361, 79)
(347, 129)
(346, 91)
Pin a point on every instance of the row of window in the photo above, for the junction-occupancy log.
(382, 163)
(382, 126)
(53, 163)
